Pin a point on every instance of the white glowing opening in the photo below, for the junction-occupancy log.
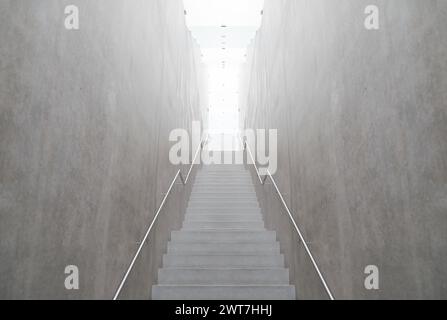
(223, 29)
(223, 12)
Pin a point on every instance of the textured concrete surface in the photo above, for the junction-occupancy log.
(85, 118)
(220, 266)
(362, 119)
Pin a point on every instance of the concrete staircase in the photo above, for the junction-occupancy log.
(223, 251)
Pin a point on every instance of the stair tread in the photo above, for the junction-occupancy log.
(222, 292)
(225, 242)
(228, 268)
(229, 255)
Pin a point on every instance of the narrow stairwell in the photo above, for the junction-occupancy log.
(223, 251)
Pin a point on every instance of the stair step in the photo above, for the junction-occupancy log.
(231, 168)
(238, 199)
(224, 174)
(216, 186)
(241, 170)
(214, 205)
(223, 293)
(235, 212)
(222, 229)
(278, 276)
(222, 187)
(230, 195)
(235, 174)
(233, 202)
(246, 179)
(224, 217)
(224, 248)
(216, 180)
(228, 261)
(224, 199)
(223, 210)
(223, 236)
(255, 225)
(226, 195)
(225, 191)
(220, 182)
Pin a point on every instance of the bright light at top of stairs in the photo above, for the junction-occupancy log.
(223, 12)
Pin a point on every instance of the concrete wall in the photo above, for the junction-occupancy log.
(84, 123)
(362, 119)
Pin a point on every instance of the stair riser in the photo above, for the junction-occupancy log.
(236, 214)
(223, 236)
(217, 216)
(215, 205)
(217, 178)
(224, 196)
(241, 182)
(223, 218)
(223, 224)
(221, 187)
(224, 187)
(224, 179)
(231, 251)
(207, 229)
(224, 190)
(223, 261)
(212, 200)
(227, 223)
(223, 277)
(217, 186)
(228, 211)
(220, 203)
(224, 168)
(246, 179)
(179, 248)
(209, 191)
(233, 175)
(224, 211)
(223, 293)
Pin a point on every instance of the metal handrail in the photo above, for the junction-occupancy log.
(160, 208)
(300, 234)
